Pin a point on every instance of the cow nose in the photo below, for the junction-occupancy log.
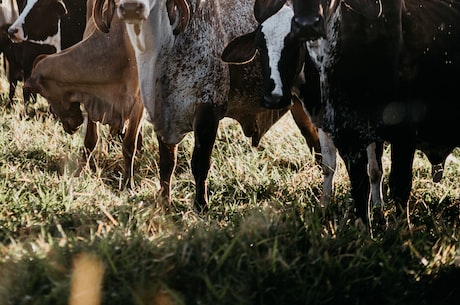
(131, 10)
(12, 32)
(310, 27)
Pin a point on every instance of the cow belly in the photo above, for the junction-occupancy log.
(172, 117)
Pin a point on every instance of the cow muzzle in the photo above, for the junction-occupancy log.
(132, 11)
(276, 101)
(310, 27)
(16, 34)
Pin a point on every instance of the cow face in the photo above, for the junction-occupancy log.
(309, 19)
(39, 22)
(134, 11)
(281, 56)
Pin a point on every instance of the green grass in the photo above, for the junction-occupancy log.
(264, 240)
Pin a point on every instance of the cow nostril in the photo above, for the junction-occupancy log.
(131, 10)
(12, 31)
(309, 27)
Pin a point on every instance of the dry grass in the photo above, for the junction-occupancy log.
(264, 240)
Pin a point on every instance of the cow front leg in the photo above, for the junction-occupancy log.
(130, 145)
(168, 160)
(205, 130)
(355, 158)
(90, 141)
(400, 180)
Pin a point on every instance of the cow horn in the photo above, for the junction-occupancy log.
(184, 16)
(103, 24)
(264, 9)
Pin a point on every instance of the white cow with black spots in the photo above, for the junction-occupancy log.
(184, 83)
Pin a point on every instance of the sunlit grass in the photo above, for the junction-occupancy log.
(264, 240)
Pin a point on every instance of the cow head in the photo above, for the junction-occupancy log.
(311, 16)
(68, 112)
(39, 22)
(136, 11)
(281, 56)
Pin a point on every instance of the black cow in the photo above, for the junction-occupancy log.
(387, 71)
(282, 59)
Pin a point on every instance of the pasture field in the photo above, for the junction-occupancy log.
(69, 234)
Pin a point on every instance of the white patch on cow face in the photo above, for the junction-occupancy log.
(17, 34)
(275, 30)
(17, 27)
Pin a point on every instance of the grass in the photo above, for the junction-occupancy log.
(70, 235)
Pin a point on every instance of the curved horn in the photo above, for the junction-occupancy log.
(184, 16)
(103, 24)
(264, 9)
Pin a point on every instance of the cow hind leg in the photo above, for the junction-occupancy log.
(328, 165)
(375, 171)
(307, 128)
(205, 130)
(168, 160)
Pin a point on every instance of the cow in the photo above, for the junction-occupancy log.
(46, 27)
(184, 84)
(99, 73)
(281, 57)
(387, 72)
(11, 61)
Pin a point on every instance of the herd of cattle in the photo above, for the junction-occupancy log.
(354, 74)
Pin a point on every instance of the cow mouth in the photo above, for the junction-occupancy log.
(275, 102)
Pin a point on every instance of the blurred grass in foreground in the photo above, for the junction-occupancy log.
(264, 240)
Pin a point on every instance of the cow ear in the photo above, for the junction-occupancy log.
(264, 9)
(61, 8)
(241, 50)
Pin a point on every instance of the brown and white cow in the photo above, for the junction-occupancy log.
(99, 73)
(185, 86)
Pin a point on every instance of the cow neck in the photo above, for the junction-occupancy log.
(54, 41)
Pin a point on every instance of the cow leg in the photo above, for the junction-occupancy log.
(375, 171)
(13, 84)
(91, 136)
(328, 165)
(168, 159)
(355, 158)
(205, 130)
(132, 135)
(400, 180)
(306, 127)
